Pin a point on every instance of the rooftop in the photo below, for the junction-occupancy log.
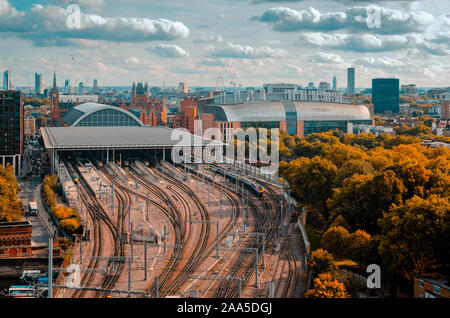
(305, 111)
(129, 137)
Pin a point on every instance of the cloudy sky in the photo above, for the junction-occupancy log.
(249, 42)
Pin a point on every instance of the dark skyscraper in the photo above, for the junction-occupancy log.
(386, 95)
(11, 127)
(351, 81)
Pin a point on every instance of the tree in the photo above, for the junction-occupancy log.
(41, 121)
(340, 221)
(358, 246)
(321, 261)
(339, 154)
(327, 287)
(415, 235)
(362, 199)
(335, 240)
(351, 167)
(310, 180)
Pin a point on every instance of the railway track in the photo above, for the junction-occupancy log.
(98, 216)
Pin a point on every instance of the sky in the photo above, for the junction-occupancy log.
(245, 42)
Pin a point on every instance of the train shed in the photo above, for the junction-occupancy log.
(109, 142)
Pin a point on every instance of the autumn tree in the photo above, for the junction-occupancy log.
(335, 240)
(415, 235)
(362, 199)
(325, 286)
(311, 180)
(358, 245)
(321, 261)
(352, 167)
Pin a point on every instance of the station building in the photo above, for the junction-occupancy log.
(295, 117)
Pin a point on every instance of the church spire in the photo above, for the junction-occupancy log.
(54, 80)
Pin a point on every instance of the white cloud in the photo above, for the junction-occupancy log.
(209, 39)
(46, 25)
(322, 57)
(169, 50)
(231, 50)
(392, 21)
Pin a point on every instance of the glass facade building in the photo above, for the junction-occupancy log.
(386, 95)
(296, 118)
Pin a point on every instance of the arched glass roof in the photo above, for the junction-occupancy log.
(95, 115)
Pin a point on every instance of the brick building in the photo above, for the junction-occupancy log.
(431, 286)
(15, 238)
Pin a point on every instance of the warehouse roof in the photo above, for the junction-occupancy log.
(73, 138)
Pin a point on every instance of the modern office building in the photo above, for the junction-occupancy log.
(6, 80)
(351, 81)
(95, 87)
(280, 92)
(38, 84)
(386, 95)
(410, 89)
(296, 118)
(334, 83)
(81, 88)
(11, 128)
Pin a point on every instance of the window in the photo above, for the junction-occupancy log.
(420, 283)
(437, 289)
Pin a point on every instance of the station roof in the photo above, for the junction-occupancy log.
(78, 113)
(91, 138)
(276, 111)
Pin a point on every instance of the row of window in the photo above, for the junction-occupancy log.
(436, 288)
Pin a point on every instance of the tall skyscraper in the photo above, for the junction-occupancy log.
(351, 81)
(334, 83)
(95, 87)
(38, 84)
(81, 88)
(6, 80)
(11, 128)
(386, 95)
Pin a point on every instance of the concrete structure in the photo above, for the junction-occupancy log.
(334, 83)
(11, 128)
(296, 118)
(386, 95)
(351, 81)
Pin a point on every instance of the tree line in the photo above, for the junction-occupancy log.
(378, 199)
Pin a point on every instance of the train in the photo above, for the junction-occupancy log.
(252, 186)
(72, 172)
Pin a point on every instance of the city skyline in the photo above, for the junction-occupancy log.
(245, 42)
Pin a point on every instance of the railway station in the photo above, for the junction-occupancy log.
(117, 143)
(155, 228)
